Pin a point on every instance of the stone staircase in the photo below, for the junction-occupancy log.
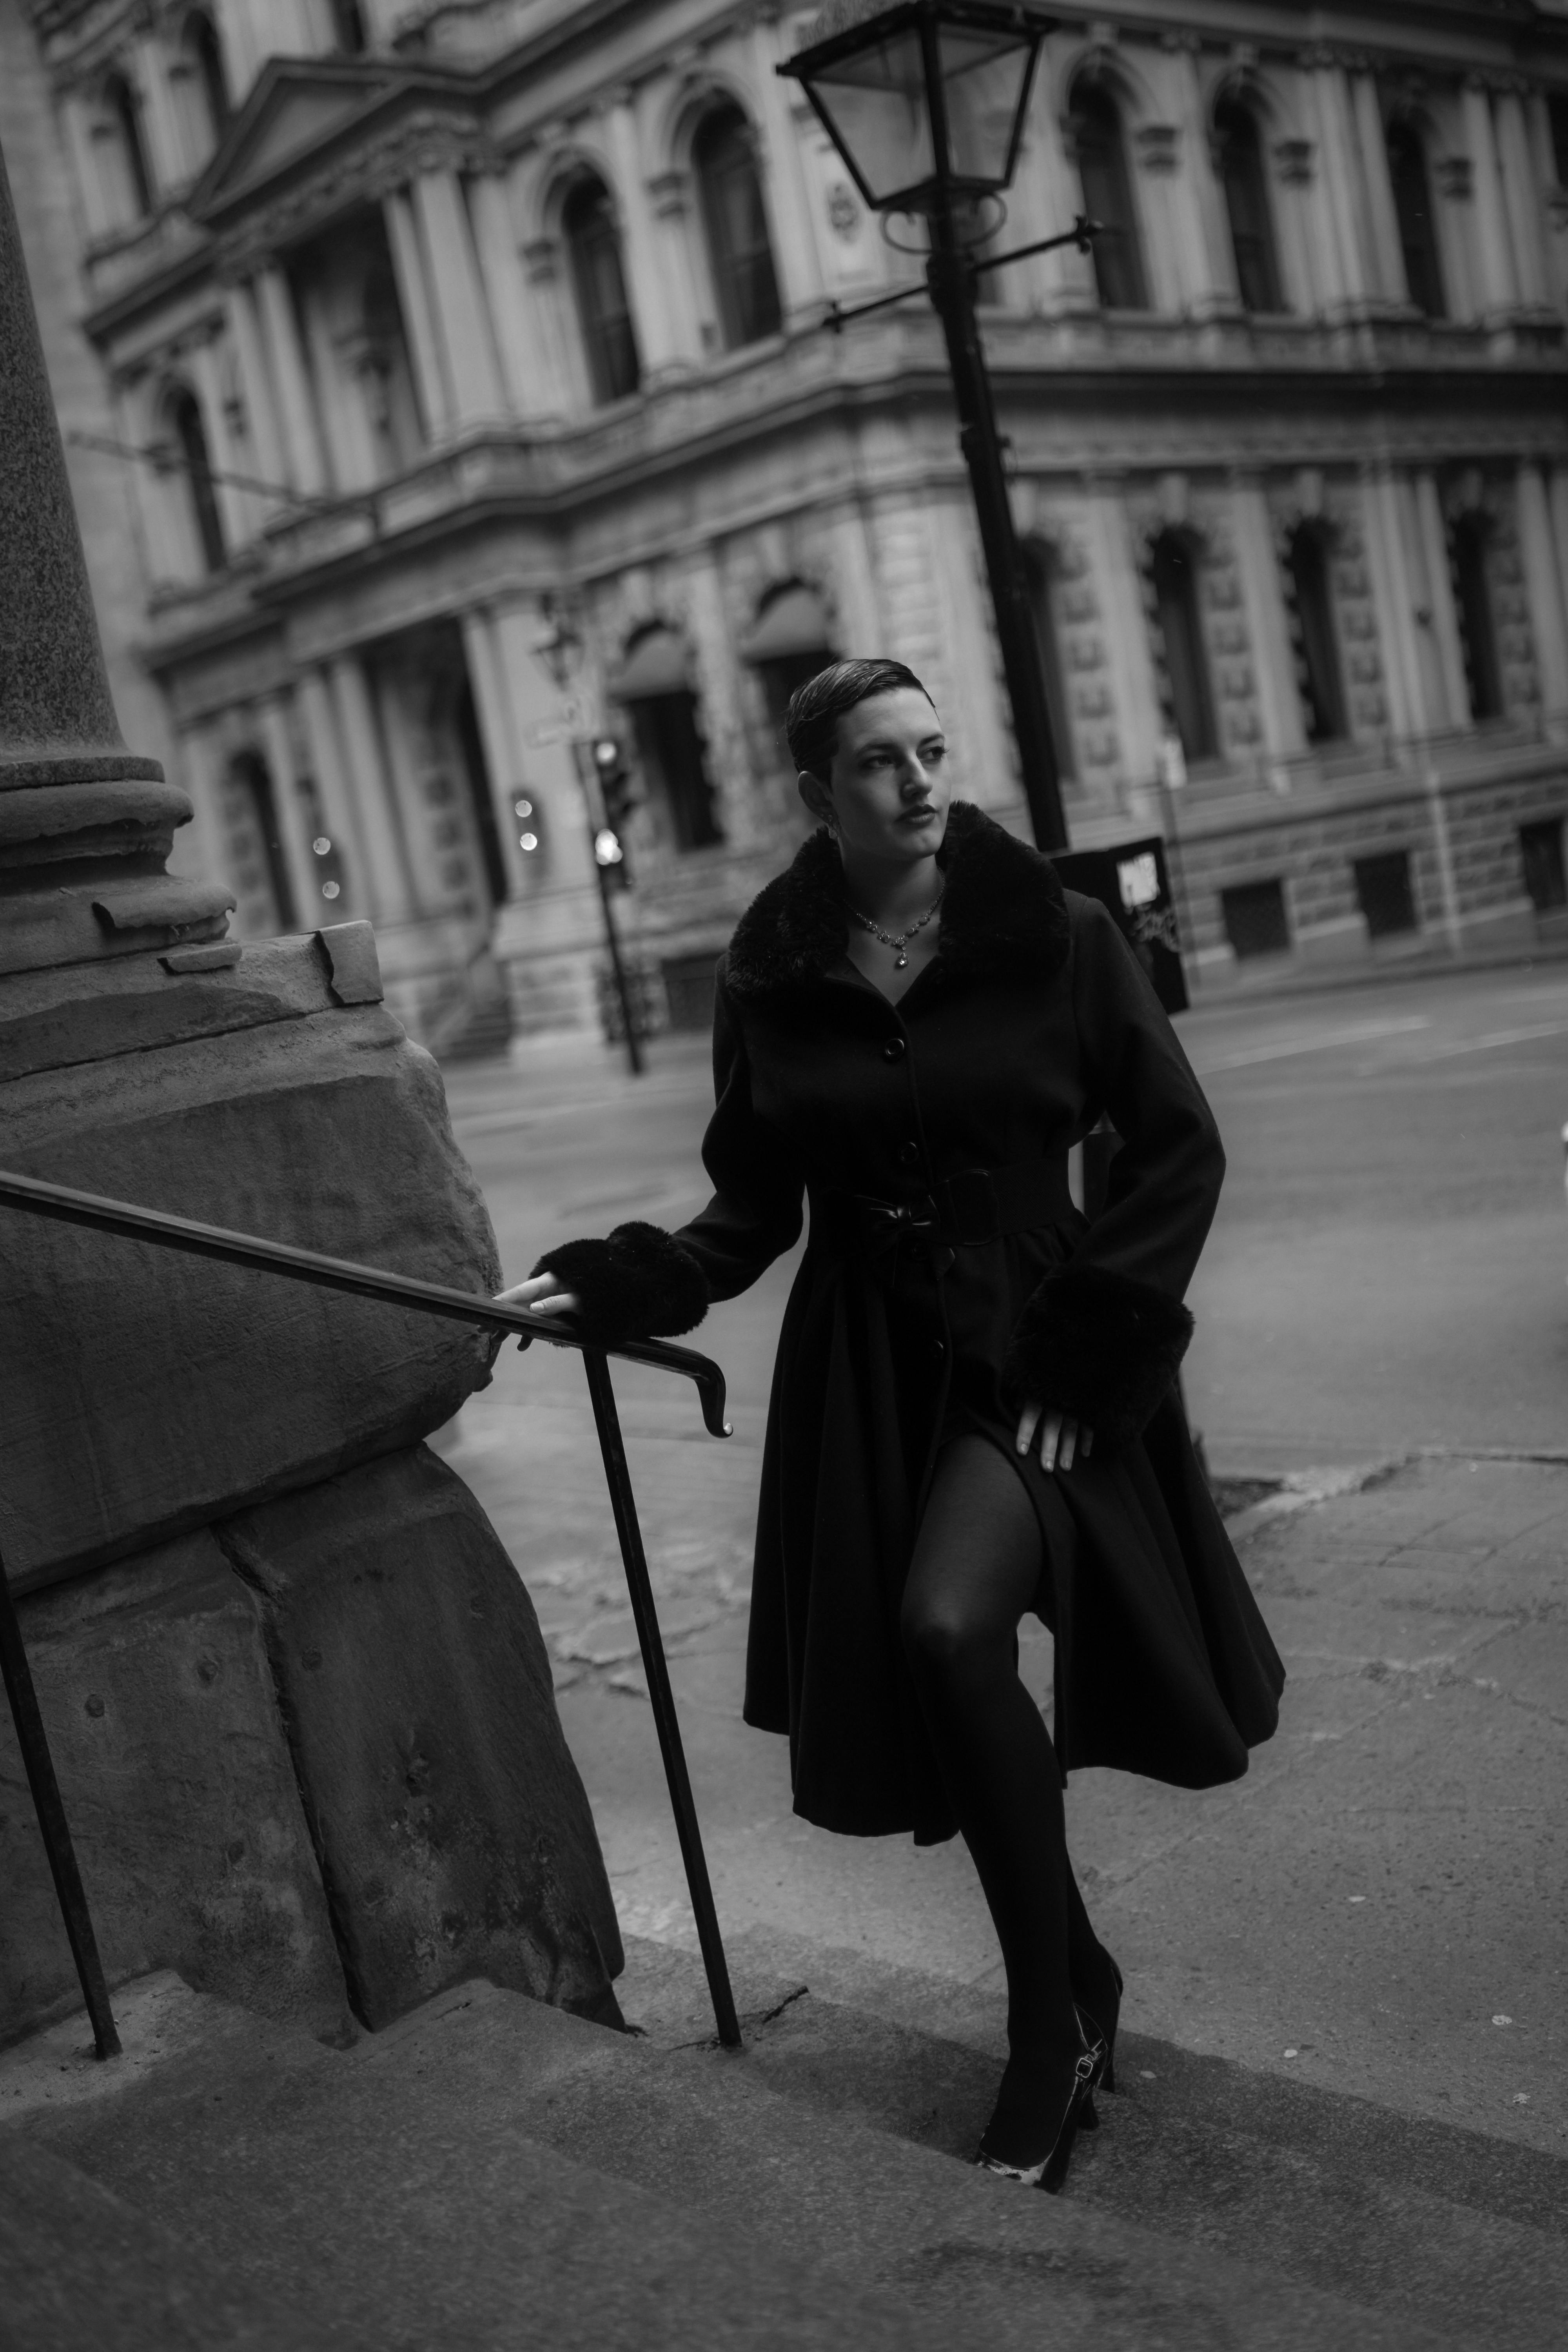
(493, 2172)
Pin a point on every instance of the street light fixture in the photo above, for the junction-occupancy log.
(925, 101)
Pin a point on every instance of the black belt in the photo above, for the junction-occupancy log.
(962, 1211)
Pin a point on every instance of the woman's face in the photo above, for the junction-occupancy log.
(888, 790)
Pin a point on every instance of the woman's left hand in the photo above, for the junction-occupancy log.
(1062, 1440)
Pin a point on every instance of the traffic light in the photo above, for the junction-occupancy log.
(618, 795)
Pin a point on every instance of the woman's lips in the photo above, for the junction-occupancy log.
(916, 816)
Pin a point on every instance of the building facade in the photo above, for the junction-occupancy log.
(468, 367)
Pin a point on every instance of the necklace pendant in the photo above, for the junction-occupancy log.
(900, 960)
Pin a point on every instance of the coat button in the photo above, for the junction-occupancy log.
(939, 1348)
(910, 1154)
(894, 1050)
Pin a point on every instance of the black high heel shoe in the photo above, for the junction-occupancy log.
(1018, 2134)
(1102, 2013)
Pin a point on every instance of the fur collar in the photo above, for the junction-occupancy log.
(1003, 915)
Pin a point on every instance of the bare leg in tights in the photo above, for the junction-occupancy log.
(977, 1564)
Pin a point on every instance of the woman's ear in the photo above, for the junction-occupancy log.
(816, 796)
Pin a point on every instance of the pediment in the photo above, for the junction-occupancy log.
(296, 107)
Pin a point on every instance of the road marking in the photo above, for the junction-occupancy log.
(1361, 1035)
(1497, 1037)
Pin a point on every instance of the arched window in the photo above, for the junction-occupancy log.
(1042, 572)
(1468, 538)
(190, 437)
(124, 116)
(593, 247)
(653, 685)
(1095, 125)
(1173, 578)
(1239, 155)
(1417, 222)
(258, 860)
(1310, 600)
(736, 225)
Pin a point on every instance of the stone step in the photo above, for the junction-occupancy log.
(1428, 2224)
(492, 2171)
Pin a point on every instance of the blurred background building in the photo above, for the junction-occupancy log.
(448, 384)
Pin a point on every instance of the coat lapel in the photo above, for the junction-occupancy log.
(1003, 915)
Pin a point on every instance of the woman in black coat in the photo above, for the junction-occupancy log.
(973, 1413)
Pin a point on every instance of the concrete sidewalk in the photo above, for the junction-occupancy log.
(1387, 1881)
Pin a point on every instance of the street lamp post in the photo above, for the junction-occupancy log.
(925, 101)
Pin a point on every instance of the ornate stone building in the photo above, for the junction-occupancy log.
(468, 368)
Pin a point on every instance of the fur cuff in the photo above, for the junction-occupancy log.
(1098, 1346)
(638, 1283)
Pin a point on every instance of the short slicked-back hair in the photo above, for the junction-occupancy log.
(810, 723)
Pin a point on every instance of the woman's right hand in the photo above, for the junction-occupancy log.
(543, 1292)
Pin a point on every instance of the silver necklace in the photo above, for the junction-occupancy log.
(898, 941)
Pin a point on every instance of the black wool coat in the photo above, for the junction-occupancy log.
(947, 1278)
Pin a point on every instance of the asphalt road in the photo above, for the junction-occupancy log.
(1386, 1273)
(1388, 1266)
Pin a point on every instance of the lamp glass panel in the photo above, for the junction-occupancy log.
(876, 105)
(983, 76)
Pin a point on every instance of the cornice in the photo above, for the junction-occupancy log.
(431, 137)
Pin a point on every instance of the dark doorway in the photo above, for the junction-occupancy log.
(1478, 629)
(1255, 919)
(1383, 892)
(1541, 852)
(1319, 675)
(1172, 572)
(669, 747)
(481, 799)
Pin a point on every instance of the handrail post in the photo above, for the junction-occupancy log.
(639, 1584)
(33, 1741)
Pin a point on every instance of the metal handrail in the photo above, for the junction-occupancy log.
(36, 1197)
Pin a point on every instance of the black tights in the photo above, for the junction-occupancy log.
(977, 1564)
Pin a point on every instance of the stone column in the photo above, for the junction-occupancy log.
(297, 409)
(234, 506)
(1167, 218)
(1498, 287)
(503, 758)
(1522, 202)
(462, 320)
(655, 308)
(1213, 286)
(1279, 705)
(1377, 188)
(1351, 234)
(783, 179)
(506, 294)
(380, 832)
(1544, 587)
(304, 867)
(336, 792)
(413, 294)
(266, 438)
(1398, 600)
(75, 804)
(669, 197)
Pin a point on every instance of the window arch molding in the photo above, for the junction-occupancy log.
(1103, 105)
